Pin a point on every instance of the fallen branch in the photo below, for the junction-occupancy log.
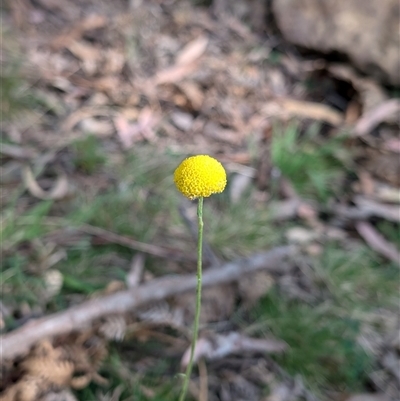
(65, 235)
(379, 114)
(110, 237)
(366, 209)
(377, 242)
(217, 346)
(20, 340)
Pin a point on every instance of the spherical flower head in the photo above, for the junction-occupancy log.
(200, 176)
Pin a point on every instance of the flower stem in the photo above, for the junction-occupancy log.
(198, 298)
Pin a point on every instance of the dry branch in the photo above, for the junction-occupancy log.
(374, 117)
(365, 209)
(123, 240)
(20, 340)
(377, 242)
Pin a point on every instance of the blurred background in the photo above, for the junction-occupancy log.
(100, 101)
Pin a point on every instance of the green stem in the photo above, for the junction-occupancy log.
(198, 298)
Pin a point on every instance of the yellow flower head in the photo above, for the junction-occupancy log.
(200, 176)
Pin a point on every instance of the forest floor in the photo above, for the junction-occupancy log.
(100, 102)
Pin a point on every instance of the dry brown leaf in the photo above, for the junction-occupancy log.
(59, 191)
(82, 114)
(45, 369)
(215, 131)
(129, 133)
(192, 51)
(174, 74)
(84, 51)
(89, 23)
(114, 61)
(111, 85)
(26, 389)
(182, 121)
(353, 112)
(314, 111)
(367, 184)
(100, 128)
(89, 55)
(56, 371)
(193, 93)
(147, 120)
(301, 235)
(186, 62)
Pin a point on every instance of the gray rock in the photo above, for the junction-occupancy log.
(367, 31)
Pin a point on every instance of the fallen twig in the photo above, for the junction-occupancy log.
(151, 249)
(377, 242)
(61, 237)
(218, 346)
(373, 118)
(20, 340)
(367, 208)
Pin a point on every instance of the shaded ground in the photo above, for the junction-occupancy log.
(100, 104)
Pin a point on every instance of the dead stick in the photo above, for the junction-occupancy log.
(151, 249)
(20, 340)
(377, 241)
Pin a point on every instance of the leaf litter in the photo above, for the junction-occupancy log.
(174, 76)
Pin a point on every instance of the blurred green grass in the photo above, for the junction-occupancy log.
(315, 166)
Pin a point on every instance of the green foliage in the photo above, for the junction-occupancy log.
(226, 231)
(16, 229)
(17, 284)
(357, 278)
(323, 337)
(88, 154)
(391, 231)
(322, 347)
(15, 92)
(314, 168)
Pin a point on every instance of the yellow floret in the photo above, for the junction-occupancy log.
(200, 176)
